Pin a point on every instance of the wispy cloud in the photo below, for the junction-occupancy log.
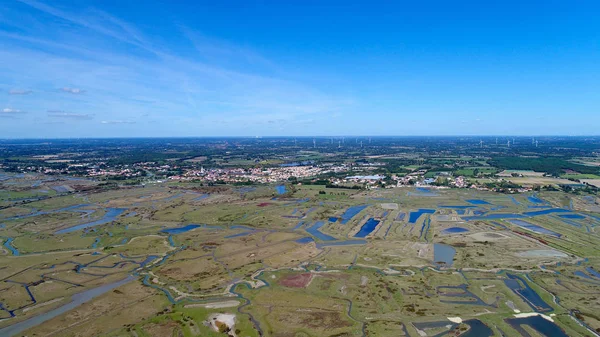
(117, 122)
(19, 92)
(11, 111)
(182, 93)
(69, 115)
(75, 91)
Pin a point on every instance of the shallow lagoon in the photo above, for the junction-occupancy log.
(443, 254)
(533, 228)
(111, 215)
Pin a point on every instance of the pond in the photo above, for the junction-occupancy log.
(110, 215)
(314, 230)
(179, 230)
(454, 230)
(537, 323)
(280, 189)
(520, 287)
(534, 199)
(571, 216)
(443, 254)
(367, 228)
(533, 228)
(422, 192)
(414, 216)
(477, 329)
(477, 202)
(305, 240)
(546, 212)
(351, 212)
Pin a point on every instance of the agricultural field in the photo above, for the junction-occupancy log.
(184, 259)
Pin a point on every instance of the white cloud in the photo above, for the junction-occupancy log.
(12, 111)
(75, 91)
(68, 115)
(19, 92)
(117, 122)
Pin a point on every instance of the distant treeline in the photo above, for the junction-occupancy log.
(554, 166)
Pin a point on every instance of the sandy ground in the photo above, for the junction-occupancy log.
(389, 206)
(542, 253)
(214, 305)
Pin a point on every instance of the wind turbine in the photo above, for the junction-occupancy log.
(314, 143)
(508, 144)
(481, 144)
(536, 143)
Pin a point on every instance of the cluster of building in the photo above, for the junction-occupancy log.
(258, 175)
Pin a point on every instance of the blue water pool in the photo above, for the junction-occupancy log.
(518, 285)
(593, 272)
(477, 202)
(367, 228)
(546, 212)
(307, 239)
(454, 230)
(571, 216)
(314, 231)
(534, 199)
(179, 230)
(538, 323)
(533, 228)
(333, 219)
(280, 189)
(414, 216)
(443, 254)
(351, 212)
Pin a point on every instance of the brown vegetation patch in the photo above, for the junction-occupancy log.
(296, 281)
(321, 320)
(161, 330)
(264, 204)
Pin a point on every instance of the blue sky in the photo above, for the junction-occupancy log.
(231, 68)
